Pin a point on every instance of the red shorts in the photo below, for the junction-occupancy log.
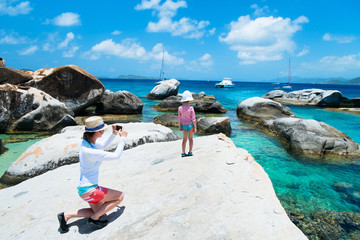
(95, 195)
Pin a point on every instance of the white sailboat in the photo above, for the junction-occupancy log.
(162, 73)
(288, 85)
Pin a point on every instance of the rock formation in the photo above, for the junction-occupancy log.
(257, 108)
(312, 138)
(69, 84)
(313, 97)
(13, 76)
(29, 109)
(212, 125)
(164, 89)
(120, 102)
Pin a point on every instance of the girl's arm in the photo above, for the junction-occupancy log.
(193, 118)
(179, 118)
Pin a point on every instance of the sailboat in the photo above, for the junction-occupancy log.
(288, 85)
(162, 73)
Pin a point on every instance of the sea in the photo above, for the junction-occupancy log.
(303, 185)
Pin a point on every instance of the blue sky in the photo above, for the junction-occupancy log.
(201, 39)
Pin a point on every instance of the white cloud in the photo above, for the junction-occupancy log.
(66, 20)
(260, 12)
(12, 38)
(69, 36)
(116, 32)
(203, 64)
(262, 39)
(7, 8)
(304, 52)
(131, 49)
(331, 65)
(71, 52)
(29, 51)
(338, 38)
(185, 27)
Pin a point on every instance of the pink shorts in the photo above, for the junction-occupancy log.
(94, 195)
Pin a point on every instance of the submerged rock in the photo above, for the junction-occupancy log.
(63, 148)
(164, 89)
(209, 107)
(219, 193)
(29, 109)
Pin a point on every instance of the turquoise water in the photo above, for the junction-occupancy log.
(300, 183)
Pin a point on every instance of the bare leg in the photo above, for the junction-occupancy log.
(84, 212)
(111, 200)
(185, 136)
(191, 140)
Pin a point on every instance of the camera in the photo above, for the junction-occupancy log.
(118, 128)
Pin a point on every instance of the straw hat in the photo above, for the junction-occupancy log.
(186, 96)
(94, 124)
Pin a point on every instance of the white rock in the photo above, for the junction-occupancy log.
(219, 193)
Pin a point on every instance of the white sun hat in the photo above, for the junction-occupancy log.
(94, 124)
(187, 96)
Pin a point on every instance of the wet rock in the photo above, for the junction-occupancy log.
(213, 125)
(29, 109)
(168, 120)
(69, 84)
(165, 89)
(209, 107)
(13, 76)
(120, 102)
(311, 138)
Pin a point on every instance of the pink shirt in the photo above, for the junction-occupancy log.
(186, 115)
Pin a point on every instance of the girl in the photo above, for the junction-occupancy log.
(187, 122)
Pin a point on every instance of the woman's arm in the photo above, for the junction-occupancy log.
(101, 155)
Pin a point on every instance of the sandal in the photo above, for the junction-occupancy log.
(183, 155)
(63, 226)
(190, 154)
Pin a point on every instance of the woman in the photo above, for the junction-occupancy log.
(187, 122)
(91, 155)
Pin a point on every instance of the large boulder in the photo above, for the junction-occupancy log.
(213, 125)
(209, 107)
(168, 105)
(63, 148)
(308, 97)
(120, 102)
(257, 108)
(164, 89)
(219, 193)
(13, 76)
(312, 138)
(69, 84)
(168, 120)
(30, 109)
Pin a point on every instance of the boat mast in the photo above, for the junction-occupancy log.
(162, 69)
(290, 80)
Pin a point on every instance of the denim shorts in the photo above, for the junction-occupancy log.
(187, 127)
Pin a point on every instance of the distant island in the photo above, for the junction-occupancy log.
(295, 79)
